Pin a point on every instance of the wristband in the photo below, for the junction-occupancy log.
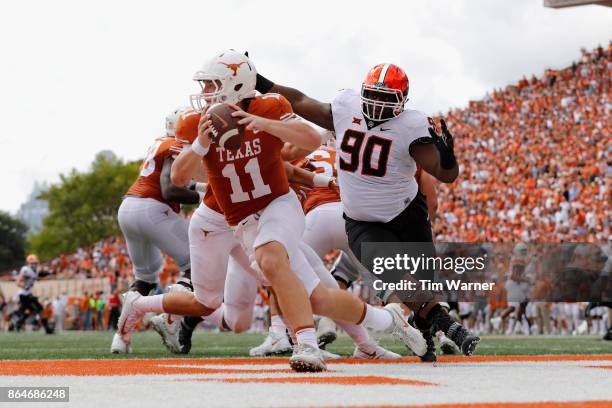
(263, 84)
(200, 187)
(198, 148)
(321, 180)
(201, 194)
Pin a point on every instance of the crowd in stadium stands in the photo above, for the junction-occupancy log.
(535, 166)
(535, 160)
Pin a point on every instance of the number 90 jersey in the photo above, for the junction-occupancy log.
(375, 168)
(246, 180)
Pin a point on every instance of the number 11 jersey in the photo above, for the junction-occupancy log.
(375, 168)
(246, 180)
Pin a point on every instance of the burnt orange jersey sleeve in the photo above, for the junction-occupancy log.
(186, 127)
(322, 160)
(148, 185)
(246, 180)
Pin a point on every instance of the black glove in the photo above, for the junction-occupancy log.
(263, 84)
(445, 146)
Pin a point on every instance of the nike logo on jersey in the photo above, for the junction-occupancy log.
(384, 129)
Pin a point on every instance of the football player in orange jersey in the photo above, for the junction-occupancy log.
(267, 218)
(150, 222)
(324, 232)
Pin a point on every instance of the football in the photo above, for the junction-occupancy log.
(226, 132)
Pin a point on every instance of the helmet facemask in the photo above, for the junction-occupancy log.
(380, 103)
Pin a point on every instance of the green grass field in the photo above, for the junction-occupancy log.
(96, 345)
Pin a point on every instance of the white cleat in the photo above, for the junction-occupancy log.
(129, 316)
(167, 326)
(118, 346)
(377, 353)
(447, 345)
(273, 344)
(307, 358)
(411, 337)
(326, 332)
(329, 356)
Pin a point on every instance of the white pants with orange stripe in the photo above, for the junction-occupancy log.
(281, 221)
(150, 227)
(221, 271)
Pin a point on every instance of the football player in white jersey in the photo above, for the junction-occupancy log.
(28, 303)
(379, 147)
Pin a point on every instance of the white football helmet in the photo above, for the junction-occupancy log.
(172, 118)
(229, 77)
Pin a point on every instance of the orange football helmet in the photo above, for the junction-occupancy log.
(186, 126)
(384, 92)
(32, 259)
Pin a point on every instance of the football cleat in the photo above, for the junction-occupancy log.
(129, 316)
(430, 354)
(466, 341)
(329, 356)
(446, 345)
(307, 358)
(118, 346)
(409, 335)
(273, 344)
(167, 326)
(184, 338)
(326, 332)
(376, 353)
(608, 335)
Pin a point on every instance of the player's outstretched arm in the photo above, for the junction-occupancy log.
(437, 158)
(292, 131)
(174, 193)
(310, 109)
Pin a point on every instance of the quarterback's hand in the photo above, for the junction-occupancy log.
(251, 122)
(204, 129)
(445, 145)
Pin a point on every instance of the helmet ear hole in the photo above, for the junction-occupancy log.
(237, 87)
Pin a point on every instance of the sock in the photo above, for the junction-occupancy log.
(360, 336)
(277, 326)
(143, 287)
(377, 318)
(307, 335)
(216, 317)
(150, 304)
(439, 318)
(192, 321)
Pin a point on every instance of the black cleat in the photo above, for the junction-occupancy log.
(185, 334)
(608, 335)
(430, 355)
(465, 340)
(325, 339)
